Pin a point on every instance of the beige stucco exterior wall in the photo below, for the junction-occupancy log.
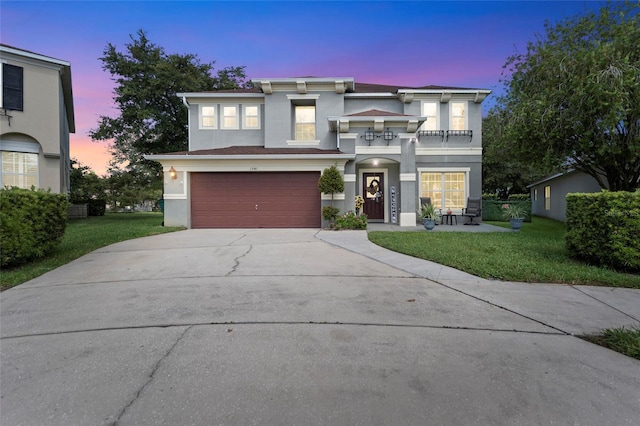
(43, 120)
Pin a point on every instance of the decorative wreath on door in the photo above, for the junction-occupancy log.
(374, 189)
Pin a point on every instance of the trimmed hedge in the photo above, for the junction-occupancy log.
(603, 228)
(492, 210)
(32, 223)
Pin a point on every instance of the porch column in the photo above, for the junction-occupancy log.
(408, 192)
(350, 186)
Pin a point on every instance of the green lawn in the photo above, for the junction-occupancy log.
(535, 254)
(623, 340)
(85, 235)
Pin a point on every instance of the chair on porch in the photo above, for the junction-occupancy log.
(473, 209)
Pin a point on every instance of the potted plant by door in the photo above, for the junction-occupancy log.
(429, 216)
(516, 213)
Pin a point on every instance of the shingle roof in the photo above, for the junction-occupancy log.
(384, 88)
(377, 113)
(256, 150)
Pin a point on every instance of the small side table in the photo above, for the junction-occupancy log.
(448, 218)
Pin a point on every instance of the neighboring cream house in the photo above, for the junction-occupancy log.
(549, 195)
(255, 155)
(36, 117)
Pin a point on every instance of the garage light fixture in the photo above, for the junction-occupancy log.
(173, 173)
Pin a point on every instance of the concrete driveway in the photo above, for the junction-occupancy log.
(304, 327)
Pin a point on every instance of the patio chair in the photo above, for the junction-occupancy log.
(473, 209)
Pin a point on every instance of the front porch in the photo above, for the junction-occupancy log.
(460, 227)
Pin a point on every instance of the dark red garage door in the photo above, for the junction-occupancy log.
(255, 200)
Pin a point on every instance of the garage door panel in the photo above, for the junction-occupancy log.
(228, 200)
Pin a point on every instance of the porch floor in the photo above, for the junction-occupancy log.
(460, 227)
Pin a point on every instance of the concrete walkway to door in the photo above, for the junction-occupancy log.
(304, 327)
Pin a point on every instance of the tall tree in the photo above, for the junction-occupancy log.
(573, 99)
(85, 183)
(503, 173)
(152, 119)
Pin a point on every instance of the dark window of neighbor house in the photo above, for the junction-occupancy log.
(12, 83)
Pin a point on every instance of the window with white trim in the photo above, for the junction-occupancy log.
(305, 116)
(446, 189)
(430, 110)
(251, 117)
(229, 117)
(19, 169)
(208, 119)
(458, 116)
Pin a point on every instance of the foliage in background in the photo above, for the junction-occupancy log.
(503, 174)
(573, 99)
(152, 119)
(85, 183)
(493, 210)
(535, 254)
(127, 189)
(32, 223)
(604, 228)
(85, 235)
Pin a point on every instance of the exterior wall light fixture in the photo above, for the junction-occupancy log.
(173, 173)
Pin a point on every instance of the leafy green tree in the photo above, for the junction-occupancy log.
(131, 189)
(152, 119)
(85, 183)
(331, 181)
(503, 173)
(573, 99)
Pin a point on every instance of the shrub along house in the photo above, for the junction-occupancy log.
(255, 155)
(36, 117)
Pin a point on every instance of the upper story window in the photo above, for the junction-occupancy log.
(251, 117)
(19, 169)
(430, 110)
(12, 87)
(229, 117)
(208, 119)
(458, 116)
(305, 122)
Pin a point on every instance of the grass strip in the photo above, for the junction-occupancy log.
(623, 340)
(83, 236)
(535, 254)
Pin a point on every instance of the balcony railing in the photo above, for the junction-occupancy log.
(460, 134)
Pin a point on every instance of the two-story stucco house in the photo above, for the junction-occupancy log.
(36, 117)
(255, 156)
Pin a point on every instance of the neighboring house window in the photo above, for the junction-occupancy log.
(430, 110)
(251, 117)
(535, 194)
(12, 87)
(547, 198)
(19, 169)
(446, 189)
(208, 117)
(230, 117)
(305, 122)
(458, 116)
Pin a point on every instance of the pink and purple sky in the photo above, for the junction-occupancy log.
(413, 43)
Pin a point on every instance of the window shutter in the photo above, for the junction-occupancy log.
(12, 84)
